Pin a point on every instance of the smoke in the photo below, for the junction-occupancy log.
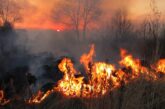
(66, 44)
(40, 48)
(44, 49)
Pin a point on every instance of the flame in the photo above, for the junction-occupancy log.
(161, 66)
(66, 66)
(3, 101)
(98, 75)
(37, 99)
(101, 77)
(98, 83)
(69, 85)
(87, 59)
(129, 61)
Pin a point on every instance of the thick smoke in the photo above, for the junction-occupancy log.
(39, 51)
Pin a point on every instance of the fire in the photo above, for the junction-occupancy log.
(98, 81)
(161, 66)
(67, 67)
(3, 101)
(87, 59)
(98, 73)
(36, 99)
(100, 77)
(129, 61)
(69, 85)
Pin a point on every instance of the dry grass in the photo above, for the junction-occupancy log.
(138, 94)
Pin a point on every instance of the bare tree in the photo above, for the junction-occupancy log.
(155, 25)
(91, 12)
(9, 12)
(77, 14)
(151, 27)
(121, 23)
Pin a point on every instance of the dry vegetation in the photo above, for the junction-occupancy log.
(147, 42)
(139, 94)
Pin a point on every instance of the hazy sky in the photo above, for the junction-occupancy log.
(37, 12)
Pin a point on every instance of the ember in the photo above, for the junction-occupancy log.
(3, 101)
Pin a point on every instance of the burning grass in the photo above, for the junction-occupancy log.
(101, 77)
(3, 101)
(103, 82)
(138, 94)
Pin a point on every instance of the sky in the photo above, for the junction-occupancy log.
(37, 13)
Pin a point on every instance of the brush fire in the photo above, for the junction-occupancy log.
(3, 101)
(99, 77)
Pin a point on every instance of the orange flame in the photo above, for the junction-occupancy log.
(36, 99)
(98, 75)
(87, 59)
(129, 61)
(67, 67)
(101, 77)
(69, 85)
(161, 66)
(3, 101)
